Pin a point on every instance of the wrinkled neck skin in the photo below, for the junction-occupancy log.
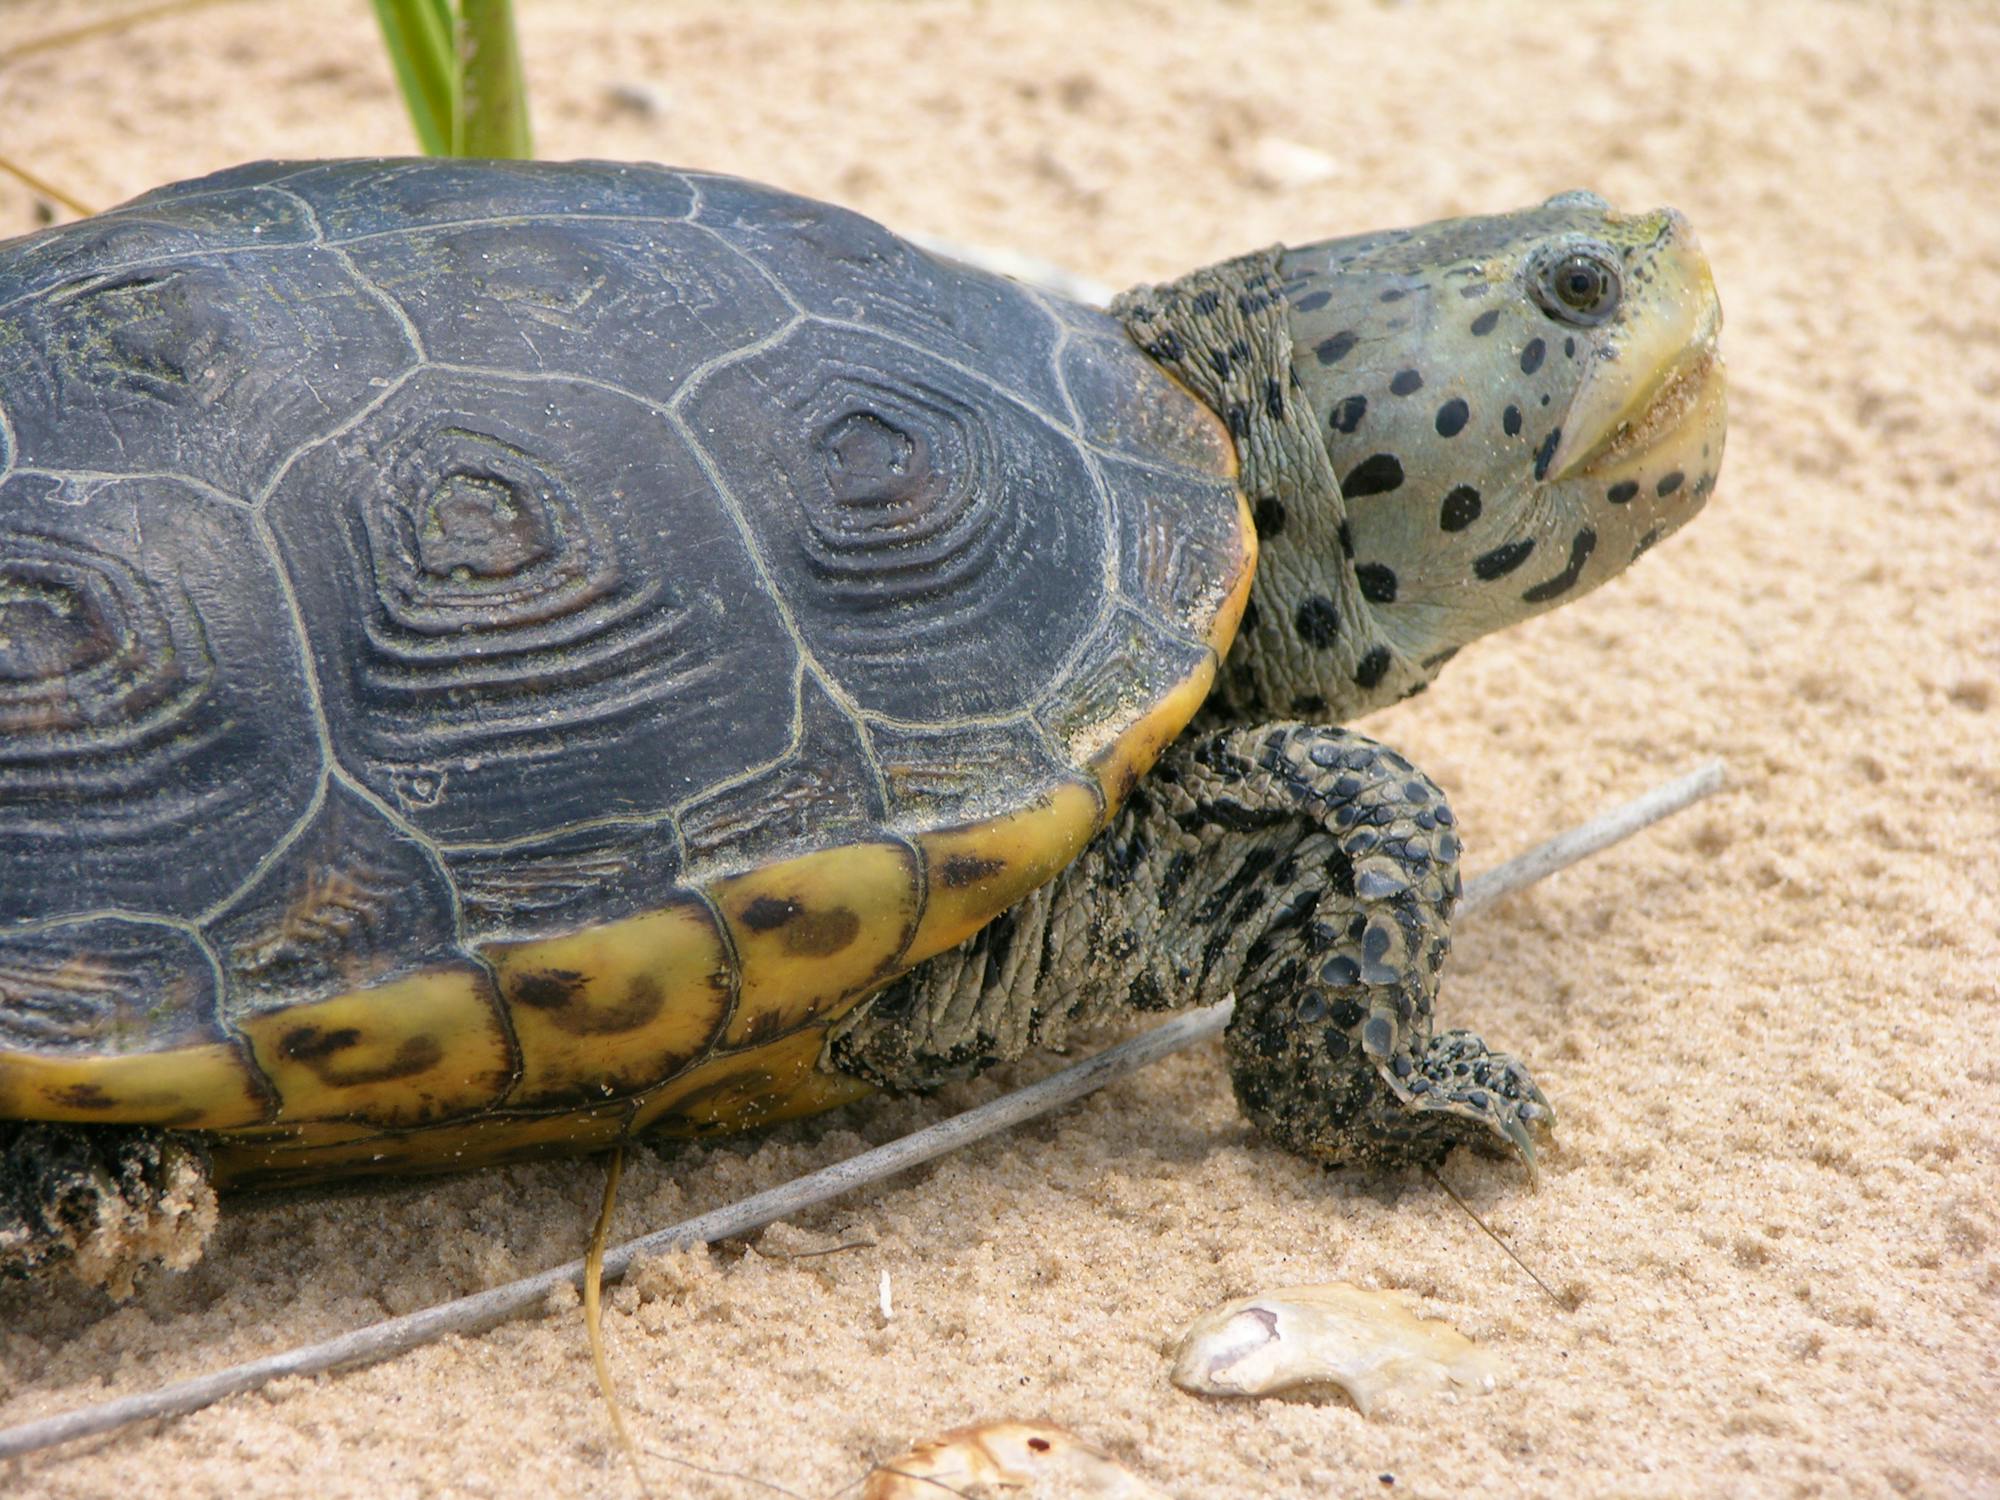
(1309, 646)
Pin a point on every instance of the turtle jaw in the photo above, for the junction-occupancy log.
(1655, 395)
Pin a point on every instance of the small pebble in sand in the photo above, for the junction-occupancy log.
(1275, 162)
(1365, 1342)
(646, 100)
(1018, 1460)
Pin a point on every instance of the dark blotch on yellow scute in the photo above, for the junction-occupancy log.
(821, 934)
(616, 1007)
(815, 934)
(84, 1096)
(962, 870)
(424, 1048)
(562, 996)
(547, 991)
(321, 1050)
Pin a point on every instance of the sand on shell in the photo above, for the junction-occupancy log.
(1772, 1028)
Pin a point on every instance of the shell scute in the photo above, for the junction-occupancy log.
(837, 265)
(616, 1007)
(352, 199)
(350, 901)
(747, 1088)
(209, 365)
(811, 935)
(902, 507)
(645, 306)
(113, 1020)
(410, 1051)
(514, 631)
(156, 744)
(978, 870)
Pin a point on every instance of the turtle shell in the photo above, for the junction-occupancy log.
(496, 655)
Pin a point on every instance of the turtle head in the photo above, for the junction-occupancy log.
(1515, 406)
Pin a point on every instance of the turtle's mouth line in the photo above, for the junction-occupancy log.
(1679, 403)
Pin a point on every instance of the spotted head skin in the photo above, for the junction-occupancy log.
(1516, 407)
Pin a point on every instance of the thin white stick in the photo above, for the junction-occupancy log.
(483, 1310)
(1586, 839)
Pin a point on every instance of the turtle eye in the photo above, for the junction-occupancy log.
(1578, 287)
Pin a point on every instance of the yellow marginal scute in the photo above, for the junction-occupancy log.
(1120, 764)
(748, 1088)
(614, 1008)
(811, 934)
(406, 1052)
(975, 872)
(1221, 631)
(204, 1087)
(312, 1152)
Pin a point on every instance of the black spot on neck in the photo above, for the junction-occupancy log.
(1347, 416)
(1406, 382)
(1669, 484)
(1377, 474)
(1510, 421)
(1486, 322)
(1269, 515)
(1580, 547)
(1452, 417)
(1503, 559)
(1532, 356)
(1335, 347)
(1372, 668)
(1317, 620)
(1545, 455)
(1378, 583)
(1460, 509)
(1622, 492)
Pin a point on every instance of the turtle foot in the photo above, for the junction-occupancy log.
(1461, 1094)
(103, 1201)
(1331, 1048)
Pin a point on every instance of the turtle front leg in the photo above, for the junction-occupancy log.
(1306, 869)
(1332, 1048)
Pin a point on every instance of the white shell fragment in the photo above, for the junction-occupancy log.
(1276, 162)
(1365, 1342)
(1007, 1461)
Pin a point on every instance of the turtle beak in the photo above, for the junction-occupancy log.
(1660, 372)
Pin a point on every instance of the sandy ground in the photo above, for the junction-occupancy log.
(1772, 1028)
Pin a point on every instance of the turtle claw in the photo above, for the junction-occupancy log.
(1456, 1076)
(1523, 1142)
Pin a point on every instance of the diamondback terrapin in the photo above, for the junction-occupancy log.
(499, 657)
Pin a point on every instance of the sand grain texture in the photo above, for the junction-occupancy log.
(1772, 1028)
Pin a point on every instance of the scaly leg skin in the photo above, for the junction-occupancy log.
(102, 1200)
(1306, 869)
